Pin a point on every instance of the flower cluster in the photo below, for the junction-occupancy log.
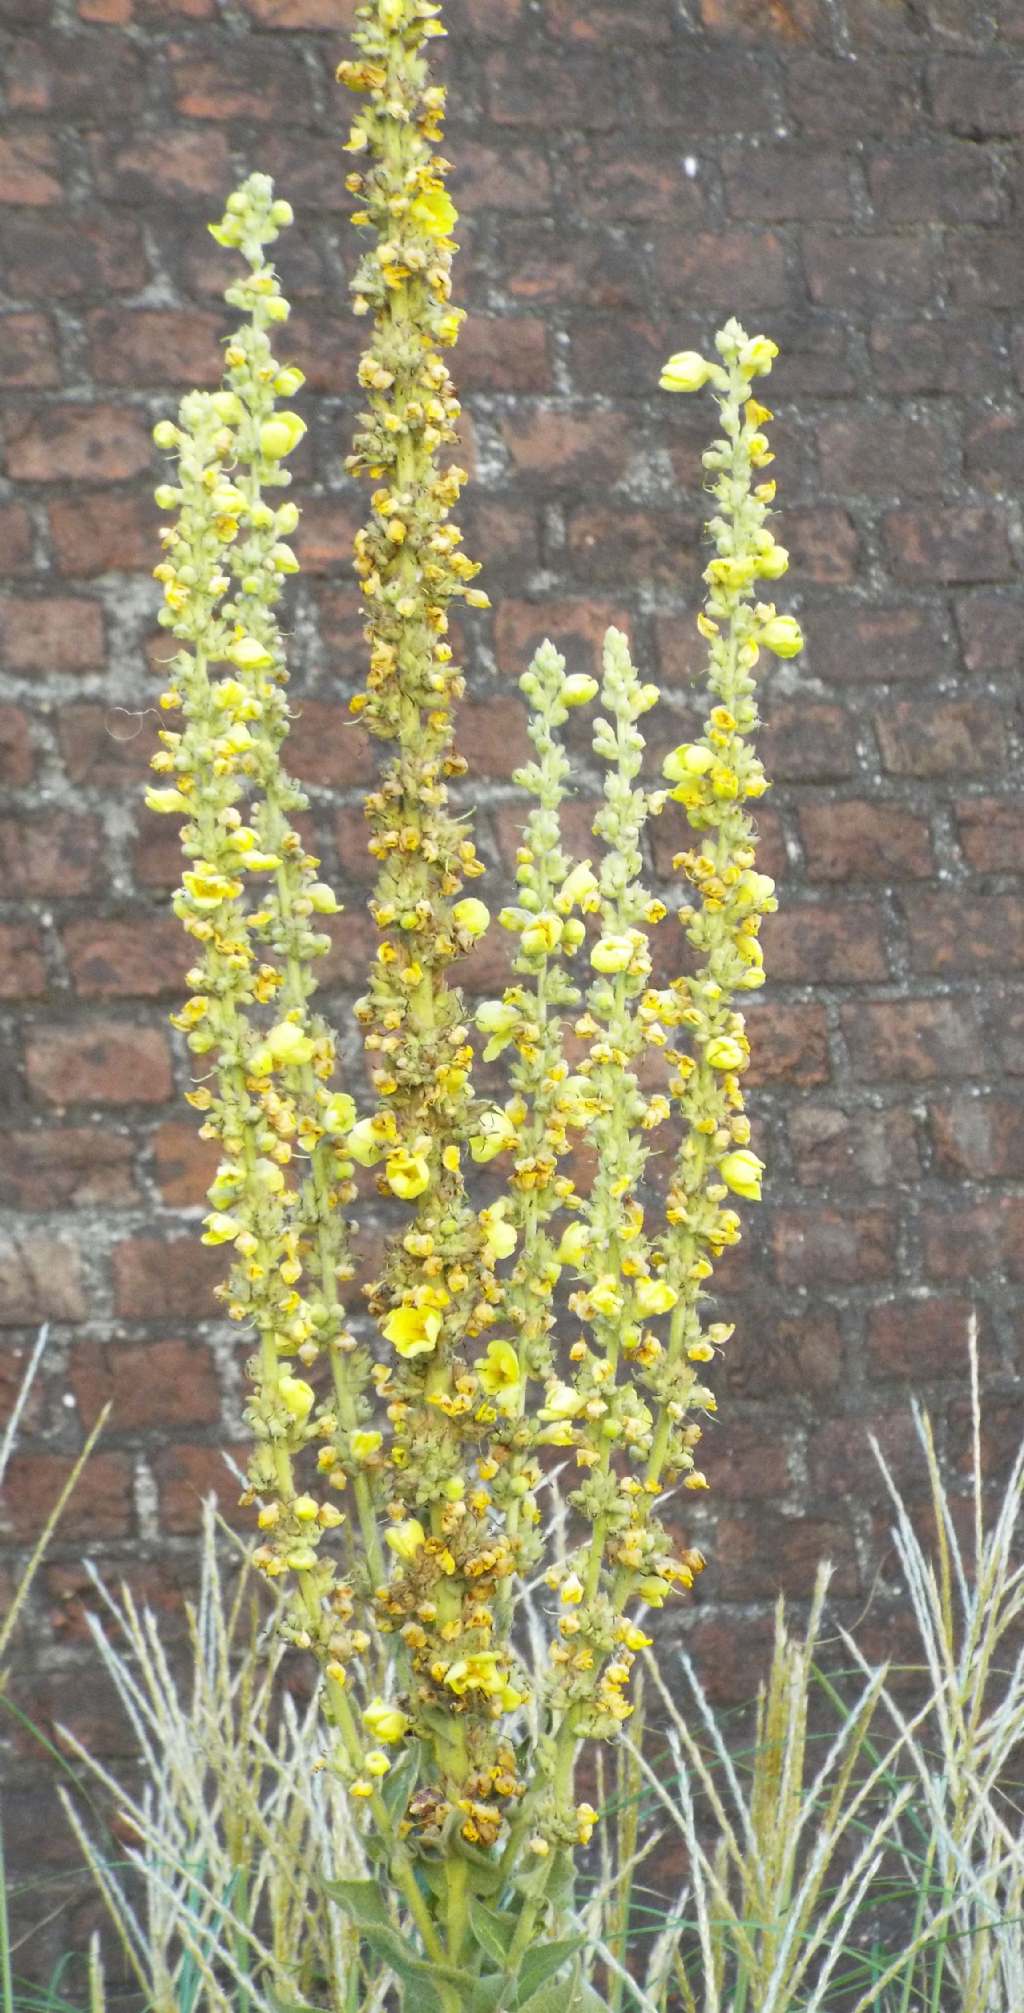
(424, 1449)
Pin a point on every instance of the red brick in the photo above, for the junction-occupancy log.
(166, 1279)
(966, 932)
(854, 644)
(616, 356)
(15, 538)
(503, 353)
(844, 1247)
(22, 963)
(918, 1338)
(501, 19)
(185, 1476)
(599, 24)
(1000, 1437)
(162, 1386)
(943, 354)
(505, 178)
(29, 170)
(158, 346)
(139, 958)
(337, 15)
(979, 1137)
(709, 92)
(968, 736)
(184, 1165)
(524, 89)
(120, 12)
(188, 166)
(758, 20)
(577, 629)
(856, 96)
(747, 1458)
(105, 747)
(76, 79)
(99, 1062)
(842, 1461)
(505, 532)
(100, 1508)
(992, 451)
(889, 24)
(775, 183)
(325, 745)
(55, 854)
(968, 1241)
(756, 1557)
(28, 352)
(883, 456)
(949, 545)
(900, 267)
(609, 545)
(977, 97)
(991, 632)
(992, 833)
(245, 81)
(867, 839)
(822, 545)
(76, 443)
(47, 257)
(789, 1044)
(821, 943)
(744, 270)
(58, 633)
(64, 1167)
(105, 531)
(325, 539)
(600, 268)
(40, 1280)
(779, 1356)
(852, 1149)
(914, 1039)
(950, 182)
(342, 617)
(610, 180)
(986, 269)
(17, 761)
(806, 743)
(568, 448)
(351, 838)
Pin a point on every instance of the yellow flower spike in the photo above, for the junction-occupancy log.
(479, 1672)
(250, 655)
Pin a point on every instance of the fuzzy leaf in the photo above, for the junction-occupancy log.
(362, 1900)
(539, 1965)
(493, 1928)
(487, 1995)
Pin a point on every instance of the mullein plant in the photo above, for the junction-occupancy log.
(399, 1452)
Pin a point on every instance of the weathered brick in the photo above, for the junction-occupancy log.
(239, 81)
(978, 1138)
(183, 1164)
(77, 443)
(565, 449)
(17, 761)
(77, 79)
(852, 272)
(56, 633)
(105, 747)
(40, 1280)
(158, 346)
(164, 1386)
(946, 353)
(710, 91)
(610, 180)
(952, 182)
(57, 853)
(789, 1044)
(802, 743)
(506, 178)
(166, 1279)
(849, 642)
(744, 270)
(61, 1167)
(776, 182)
(523, 89)
(105, 531)
(992, 451)
(15, 539)
(884, 455)
(337, 15)
(504, 353)
(756, 20)
(822, 943)
(991, 631)
(599, 267)
(965, 735)
(138, 958)
(606, 545)
(186, 1476)
(918, 1338)
(966, 932)
(949, 544)
(29, 170)
(577, 629)
(28, 352)
(977, 98)
(784, 1355)
(822, 545)
(751, 1564)
(852, 1149)
(859, 96)
(841, 1460)
(22, 962)
(103, 1494)
(992, 833)
(60, 257)
(986, 268)
(868, 840)
(189, 166)
(967, 1241)
(98, 1062)
(841, 1247)
(914, 1039)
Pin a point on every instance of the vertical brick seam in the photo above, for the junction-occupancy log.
(846, 174)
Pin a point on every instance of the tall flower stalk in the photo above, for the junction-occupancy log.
(400, 1453)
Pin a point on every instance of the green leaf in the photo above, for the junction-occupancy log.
(362, 1900)
(493, 1928)
(407, 1963)
(400, 1781)
(540, 1964)
(552, 1999)
(488, 1995)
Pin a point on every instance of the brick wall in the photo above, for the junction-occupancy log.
(846, 174)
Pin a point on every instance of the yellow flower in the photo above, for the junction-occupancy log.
(691, 758)
(285, 1047)
(281, 435)
(365, 1444)
(654, 1296)
(495, 1134)
(686, 371)
(413, 1331)
(612, 953)
(385, 1722)
(573, 1248)
(571, 1590)
(606, 1295)
(368, 1141)
(541, 935)
(578, 689)
(471, 917)
(742, 1173)
(165, 801)
(757, 356)
(339, 1114)
(434, 211)
(208, 889)
(220, 1229)
(500, 1373)
(479, 1672)
(500, 1238)
(249, 655)
(408, 1174)
(783, 635)
(296, 1396)
(406, 1539)
(376, 1763)
(725, 1053)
